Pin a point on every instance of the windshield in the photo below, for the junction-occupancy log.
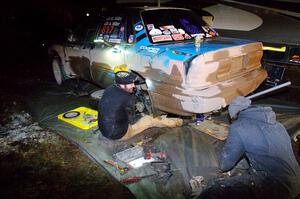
(166, 25)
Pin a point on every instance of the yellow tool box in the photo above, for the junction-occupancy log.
(81, 117)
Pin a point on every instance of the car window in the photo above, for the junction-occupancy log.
(89, 36)
(84, 30)
(111, 29)
(174, 25)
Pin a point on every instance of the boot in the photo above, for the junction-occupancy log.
(148, 121)
(163, 121)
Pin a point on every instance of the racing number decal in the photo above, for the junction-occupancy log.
(107, 29)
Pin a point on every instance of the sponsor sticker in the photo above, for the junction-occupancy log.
(212, 33)
(205, 28)
(174, 31)
(187, 36)
(166, 27)
(116, 18)
(177, 37)
(115, 23)
(159, 38)
(113, 36)
(130, 39)
(138, 27)
(150, 49)
(200, 34)
(114, 40)
(106, 37)
(154, 32)
(166, 32)
(150, 26)
(181, 31)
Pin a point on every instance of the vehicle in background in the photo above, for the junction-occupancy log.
(182, 75)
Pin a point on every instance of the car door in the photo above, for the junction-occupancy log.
(77, 50)
(109, 50)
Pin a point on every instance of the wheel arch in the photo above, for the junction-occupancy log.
(147, 83)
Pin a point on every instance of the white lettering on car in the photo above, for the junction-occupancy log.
(150, 49)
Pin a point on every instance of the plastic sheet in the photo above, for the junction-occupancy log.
(190, 152)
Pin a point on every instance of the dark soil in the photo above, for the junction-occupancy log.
(43, 165)
(55, 170)
(51, 168)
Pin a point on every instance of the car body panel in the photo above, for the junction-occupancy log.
(181, 78)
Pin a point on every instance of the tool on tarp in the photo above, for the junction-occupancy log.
(197, 185)
(130, 154)
(122, 170)
(135, 179)
(159, 155)
(163, 170)
(142, 141)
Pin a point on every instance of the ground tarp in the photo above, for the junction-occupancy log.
(190, 152)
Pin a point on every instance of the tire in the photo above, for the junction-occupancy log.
(58, 71)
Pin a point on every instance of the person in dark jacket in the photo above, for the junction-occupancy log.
(116, 106)
(257, 136)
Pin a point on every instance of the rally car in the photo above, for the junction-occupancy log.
(187, 67)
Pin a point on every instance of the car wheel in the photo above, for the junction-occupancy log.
(57, 71)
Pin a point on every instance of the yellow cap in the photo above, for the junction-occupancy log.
(120, 68)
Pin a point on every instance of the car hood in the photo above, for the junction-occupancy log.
(185, 51)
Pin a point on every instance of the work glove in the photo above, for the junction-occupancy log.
(197, 185)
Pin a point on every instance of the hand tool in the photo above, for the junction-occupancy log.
(160, 155)
(163, 170)
(142, 141)
(135, 179)
(121, 169)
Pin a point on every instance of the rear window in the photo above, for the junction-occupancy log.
(112, 29)
(174, 25)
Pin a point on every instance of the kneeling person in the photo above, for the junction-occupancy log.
(116, 105)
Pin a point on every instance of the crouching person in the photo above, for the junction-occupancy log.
(256, 136)
(116, 105)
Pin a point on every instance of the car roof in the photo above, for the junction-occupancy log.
(144, 9)
(163, 8)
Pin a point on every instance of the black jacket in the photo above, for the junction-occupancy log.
(113, 112)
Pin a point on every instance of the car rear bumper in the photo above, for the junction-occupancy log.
(188, 101)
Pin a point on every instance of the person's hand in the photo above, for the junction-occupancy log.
(223, 174)
(196, 186)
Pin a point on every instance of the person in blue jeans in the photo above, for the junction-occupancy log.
(256, 136)
(116, 107)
